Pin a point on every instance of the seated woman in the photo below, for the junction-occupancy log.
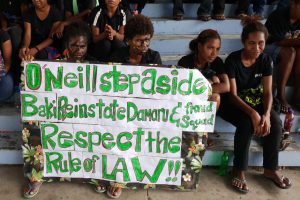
(138, 33)
(107, 22)
(204, 56)
(6, 78)
(38, 23)
(283, 46)
(76, 36)
(250, 107)
(11, 12)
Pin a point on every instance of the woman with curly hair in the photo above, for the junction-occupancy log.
(138, 33)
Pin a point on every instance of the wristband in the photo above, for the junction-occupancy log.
(36, 48)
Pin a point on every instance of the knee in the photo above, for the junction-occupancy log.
(106, 44)
(116, 44)
(6, 87)
(245, 126)
(275, 120)
(287, 53)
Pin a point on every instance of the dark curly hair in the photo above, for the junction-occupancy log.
(138, 25)
(77, 29)
(252, 25)
(203, 38)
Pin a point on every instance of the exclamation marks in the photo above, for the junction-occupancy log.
(171, 169)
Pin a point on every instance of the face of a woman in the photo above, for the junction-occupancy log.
(139, 44)
(254, 45)
(40, 3)
(209, 50)
(77, 47)
(112, 3)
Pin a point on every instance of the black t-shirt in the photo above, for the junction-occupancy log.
(82, 5)
(279, 26)
(209, 70)
(40, 30)
(99, 18)
(122, 56)
(249, 79)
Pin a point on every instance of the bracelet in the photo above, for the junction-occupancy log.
(36, 48)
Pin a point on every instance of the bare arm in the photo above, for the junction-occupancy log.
(97, 35)
(26, 40)
(80, 16)
(238, 102)
(27, 34)
(7, 54)
(120, 34)
(30, 53)
(58, 30)
(223, 86)
(267, 103)
(113, 34)
(267, 94)
(47, 42)
(44, 44)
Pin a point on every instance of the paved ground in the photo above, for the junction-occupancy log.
(211, 187)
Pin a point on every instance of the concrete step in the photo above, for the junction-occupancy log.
(165, 9)
(10, 147)
(164, 26)
(179, 44)
(10, 118)
(224, 142)
(173, 59)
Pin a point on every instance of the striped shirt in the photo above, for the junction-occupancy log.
(99, 18)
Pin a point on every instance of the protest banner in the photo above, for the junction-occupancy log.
(140, 126)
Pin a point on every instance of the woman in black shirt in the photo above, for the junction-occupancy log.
(204, 57)
(107, 23)
(38, 22)
(250, 77)
(138, 33)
